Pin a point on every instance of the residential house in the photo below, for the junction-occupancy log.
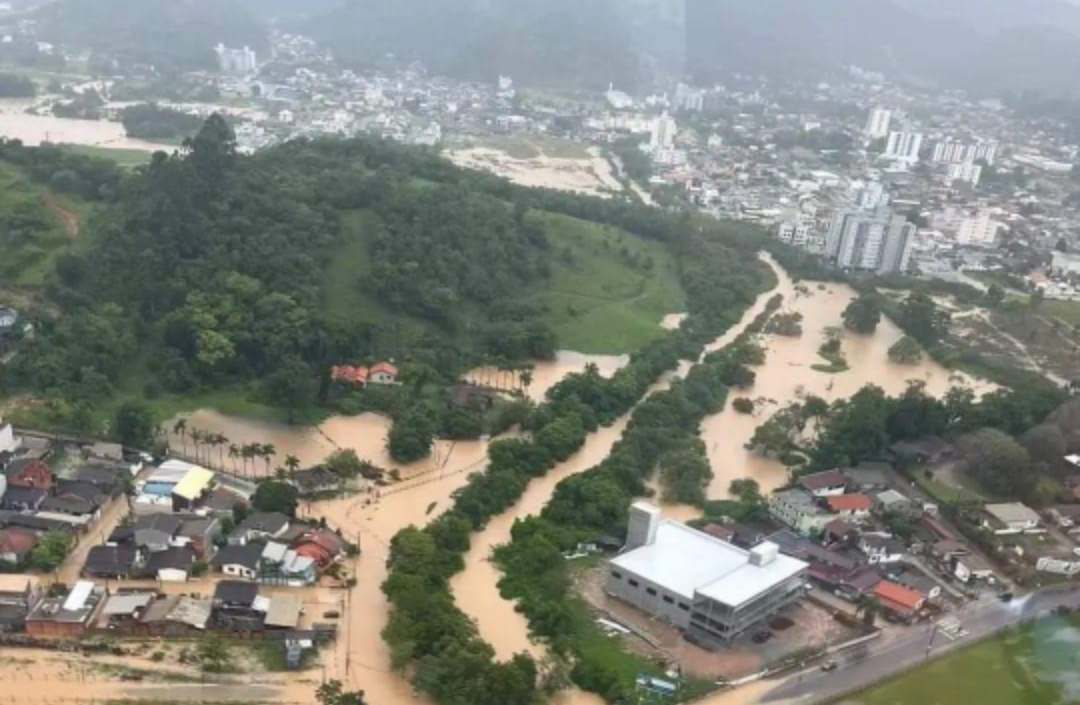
(238, 607)
(893, 501)
(920, 583)
(1066, 516)
(67, 616)
(70, 505)
(156, 532)
(107, 479)
(839, 531)
(260, 527)
(850, 507)
(824, 484)
(190, 492)
(112, 562)
(316, 481)
(200, 533)
(240, 561)
(899, 600)
(881, 548)
(281, 565)
(322, 546)
(972, 567)
(189, 613)
(27, 474)
(19, 594)
(172, 565)
(859, 584)
(107, 452)
(122, 611)
(799, 510)
(18, 499)
(1011, 518)
(284, 612)
(16, 546)
(349, 375)
(869, 476)
(383, 373)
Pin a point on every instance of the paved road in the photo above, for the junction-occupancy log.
(879, 661)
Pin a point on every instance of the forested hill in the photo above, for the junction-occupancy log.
(168, 34)
(209, 268)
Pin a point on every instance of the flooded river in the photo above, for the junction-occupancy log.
(33, 130)
(787, 376)
(361, 658)
(547, 373)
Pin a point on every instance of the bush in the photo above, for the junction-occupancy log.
(743, 405)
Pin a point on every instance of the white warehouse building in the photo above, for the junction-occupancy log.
(698, 583)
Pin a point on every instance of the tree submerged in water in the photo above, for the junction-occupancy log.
(906, 351)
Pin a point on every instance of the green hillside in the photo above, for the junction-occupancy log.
(215, 277)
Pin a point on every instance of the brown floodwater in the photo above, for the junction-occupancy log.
(547, 373)
(33, 130)
(787, 376)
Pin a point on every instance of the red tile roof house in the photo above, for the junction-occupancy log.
(383, 373)
(898, 599)
(34, 475)
(346, 374)
(850, 506)
(321, 546)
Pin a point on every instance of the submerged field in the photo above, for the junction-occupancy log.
(1037, 665)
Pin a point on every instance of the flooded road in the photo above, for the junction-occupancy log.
(33, 130)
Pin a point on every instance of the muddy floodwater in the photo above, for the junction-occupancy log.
(547, 373)
(364, 433)
(787, 376)
(361, 658)
(33, 130)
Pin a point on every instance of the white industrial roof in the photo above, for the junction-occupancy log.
(171, 472)
(76, 599)
(684, 561)
(1012, 513)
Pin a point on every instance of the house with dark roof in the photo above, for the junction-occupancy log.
(882, 548)
(314, 481)
(172, 565)
(261, 526)
(156, 532)
(240, 561)
(112, 562)
(929, 449)
(71, 506)
(200, 533)
(19, 499)
(824, 484)
(237, 606)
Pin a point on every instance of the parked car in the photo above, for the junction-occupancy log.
(830, 665)
(332, 614)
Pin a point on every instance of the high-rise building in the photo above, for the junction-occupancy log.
(872, 240)
(236, 61)
(953, 152)
(978, 229)
(689, 99)
(663, 133)
(877, 126)
(904, 147)
(966, 173)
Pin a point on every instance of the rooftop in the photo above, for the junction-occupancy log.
(195, 482)
(1012, 513)
(686, 561)
(823, 480)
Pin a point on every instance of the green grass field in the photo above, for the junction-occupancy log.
(602, 298)
(126, 158)
(1034, 666)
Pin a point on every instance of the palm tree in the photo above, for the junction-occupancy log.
(526, 378)
(247, 453)
(292, 463)
(220, 440)
(234, 453)
(197, 438)
(267, 451)
(180, 429)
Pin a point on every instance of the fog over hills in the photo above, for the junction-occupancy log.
(992, 47)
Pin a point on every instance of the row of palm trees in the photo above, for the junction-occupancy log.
(205, 444)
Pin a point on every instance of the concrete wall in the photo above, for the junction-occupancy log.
(619, 585)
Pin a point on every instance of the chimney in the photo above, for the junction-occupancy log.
(644, 521)
(763, 554)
